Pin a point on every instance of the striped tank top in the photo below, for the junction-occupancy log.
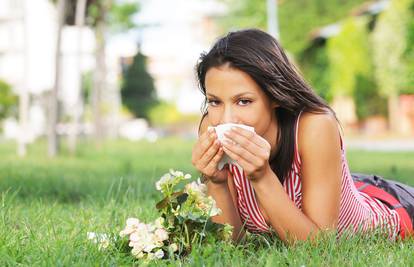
(358, 211)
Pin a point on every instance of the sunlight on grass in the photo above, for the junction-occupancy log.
(48, 206)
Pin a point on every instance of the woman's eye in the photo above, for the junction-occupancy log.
(212, 102)
(244, 102)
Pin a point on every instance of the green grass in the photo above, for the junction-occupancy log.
(48, 205)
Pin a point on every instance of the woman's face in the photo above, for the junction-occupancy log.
(234, 97)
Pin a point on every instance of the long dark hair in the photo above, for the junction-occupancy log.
(259, 55)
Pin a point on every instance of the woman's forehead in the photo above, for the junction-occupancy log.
(225, 80)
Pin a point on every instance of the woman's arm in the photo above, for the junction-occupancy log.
(229, 214)
(224, 199)
(321, 174)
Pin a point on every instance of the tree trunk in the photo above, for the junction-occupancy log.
(53, 140)
(393, 114)
(99, 80)
(77, 112)
(24, 98)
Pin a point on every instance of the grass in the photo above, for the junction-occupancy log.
(48, 205)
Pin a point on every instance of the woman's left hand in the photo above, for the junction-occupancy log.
(250, 150)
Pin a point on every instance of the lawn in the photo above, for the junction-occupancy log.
(48, 205)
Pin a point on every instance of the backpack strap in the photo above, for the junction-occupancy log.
(378, 193)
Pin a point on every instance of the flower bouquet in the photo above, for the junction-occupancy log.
(184, 222)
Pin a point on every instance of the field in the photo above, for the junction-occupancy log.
(48, 205)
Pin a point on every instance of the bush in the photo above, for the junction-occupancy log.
(8, 100)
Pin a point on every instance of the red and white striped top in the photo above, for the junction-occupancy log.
(358, 211)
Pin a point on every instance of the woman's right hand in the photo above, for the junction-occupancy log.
(206, 155)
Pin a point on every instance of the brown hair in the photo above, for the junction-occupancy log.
(259, 55)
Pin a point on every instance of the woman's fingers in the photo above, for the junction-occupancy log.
(251, 137)
(249, 141)
(209, 154)
(246, 165)
(239, 152)
(212, 165)
(202, 145)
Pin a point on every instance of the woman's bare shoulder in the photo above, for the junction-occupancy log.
(318, 129)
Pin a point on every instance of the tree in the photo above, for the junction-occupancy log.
(296, 18)
(53, 141)
(101, 14)
(389, 48)
(8, 100)
(76, 113)
(138, 91)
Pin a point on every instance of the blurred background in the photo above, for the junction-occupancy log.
(76, 72)
(98, 99)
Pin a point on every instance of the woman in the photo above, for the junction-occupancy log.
(291, 174)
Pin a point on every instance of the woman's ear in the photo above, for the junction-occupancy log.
(274, 105)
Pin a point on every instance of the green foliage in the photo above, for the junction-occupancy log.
(296, 18)
(116, 14)
(408, 58)
(120, 16)
(87, 81)
(389, 46)
(315, 66)
(348, 54)
(8, 100)
(138, 91)
(164, 113)
(351, 70)
(367, 99)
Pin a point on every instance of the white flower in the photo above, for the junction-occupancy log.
(132, 222)
(91, 235)
(149, 247)
(161, 234)
(132, 225)
(159, 254)
(135, 237)
(196, 188)
(213, 208)
(159, 222)
(166, 178)
(98, 238)
(137, 253)
(187, 176)
(104, 243)
(173, 247)
(136, 246)
(176, 173)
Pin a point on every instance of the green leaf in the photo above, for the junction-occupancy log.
(164, 202)
(182, 198)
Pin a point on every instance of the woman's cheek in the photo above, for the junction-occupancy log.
(214, 117)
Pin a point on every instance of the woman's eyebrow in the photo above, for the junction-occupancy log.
(235, 96)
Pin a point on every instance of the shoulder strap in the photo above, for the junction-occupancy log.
(378, 193)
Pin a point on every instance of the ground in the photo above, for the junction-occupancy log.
(48, 205)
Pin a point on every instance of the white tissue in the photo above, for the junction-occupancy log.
(220, 129)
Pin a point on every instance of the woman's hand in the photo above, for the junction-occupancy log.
(250, 150)
(206, 155)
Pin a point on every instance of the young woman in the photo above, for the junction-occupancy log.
(291, 175)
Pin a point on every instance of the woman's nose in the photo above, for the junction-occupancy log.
(229, 116)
